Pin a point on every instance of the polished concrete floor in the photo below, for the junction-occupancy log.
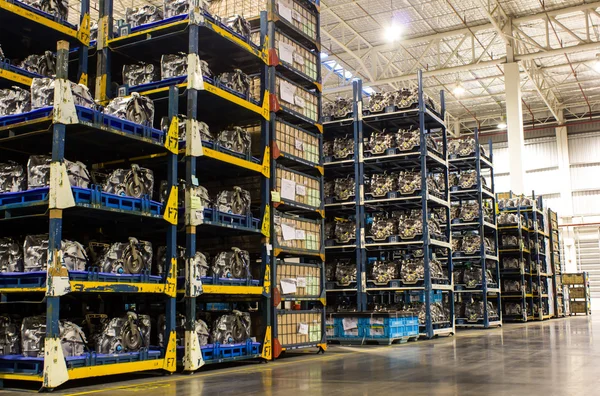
(558, 357)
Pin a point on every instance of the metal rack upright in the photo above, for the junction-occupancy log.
(556, 266)
(428, 156)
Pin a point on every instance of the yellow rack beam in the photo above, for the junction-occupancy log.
(147, 31)
(15, 77)
(232, 290)
(32, 16)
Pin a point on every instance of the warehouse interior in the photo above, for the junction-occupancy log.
(274, 197)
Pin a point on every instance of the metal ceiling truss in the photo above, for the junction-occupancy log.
(478, 51)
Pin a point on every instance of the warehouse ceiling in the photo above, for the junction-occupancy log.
(464, 42)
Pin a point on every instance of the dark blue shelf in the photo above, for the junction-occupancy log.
(37, 279)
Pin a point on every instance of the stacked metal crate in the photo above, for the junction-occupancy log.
(579, 292)
(556, 266)
(388, 245)
(475, 234)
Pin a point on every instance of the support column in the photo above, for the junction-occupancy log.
(514, 120)
(564, 172)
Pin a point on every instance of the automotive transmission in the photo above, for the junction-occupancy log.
(38, 172)
(176, 7)
(14, 100)
(379, 142)
(339, 108)
(199, 326)
(384, 271)
(236, 139)
(238, 24)
(10, 335)
(139, 73)
(127, 333)
(137, 16)
(133, 257)
(11, 255)
(232, 264)
(236, 201)
(134, 108)
(232, 328)
(380, 184)
(345, 272)
(344, 188)
(135, 182)
(42, 94)
(33, 335)
(383, 227)
(343, 147)
(44, 65)
(236, 81)
(58, 8)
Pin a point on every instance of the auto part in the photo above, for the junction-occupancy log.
(512, 286)
(512, 263)
(473, 276)
(345, 230)
(513, 309)
(134, 108)
(410, 224)
(44, 65)
(379, 142)
(14, 100)
(236, 201)
(345, 272)
(33, 335)
(175, 7)
(339, 108)
(469, 211)
(234, 263)
(58, 8)
(199, 261)
(380, 184)
(74, 256)
(407, 140)
(135, 182)
(378, 101)
(510, 240)
(137, 16)
(471, 244)
(38, 172)
(35, 253)
(127, 333)
(132, 257)
(382, 227)
(42, 94)
(139, 73)
(327, 147)
(330, 272)
(409, 182)
(467, 179)
(238, 24)
(235, 139)
(383, 271)
(232, 328)
(344, 188)
(236, 80)
(412, 270)
(343, 147)
(12, 177)
(205, 133)
(509, 218)
(10, 335)
(200, 327)
(11, 255)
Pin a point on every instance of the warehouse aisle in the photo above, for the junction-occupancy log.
(548, 358)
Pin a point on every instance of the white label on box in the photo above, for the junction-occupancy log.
(301, 235)
(287, 91)
(298, 58)
(329, 332)
(377, 321)
(303, 328)
(299, 145)
(285, 9)
(288, 189)
(296, 15)
(300, 190)
(351, 332)
(301, 282)
(288, 286)
(289, 233)
(300, 102)
(286, 52)
(350, 323)
(377, 331)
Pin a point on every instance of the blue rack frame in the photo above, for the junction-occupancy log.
(556, 265)
(362, 247)
(489, 289)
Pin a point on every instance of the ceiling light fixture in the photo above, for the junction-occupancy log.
(458, 89)
(502, 125)
(393, 32)
(597, 63)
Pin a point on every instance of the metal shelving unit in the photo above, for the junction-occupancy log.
(79, 133)
(429, 156)
(20, 23)
(205, 163)
(298, 272)
(560, 310)
(578, 285)
(528, 233)
(469, 292)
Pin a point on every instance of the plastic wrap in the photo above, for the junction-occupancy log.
(14, 100)
(236, 201)
(134, 108)
(234, 263)
(232, 328)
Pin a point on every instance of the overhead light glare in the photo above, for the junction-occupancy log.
(597, 63)
(502, 125)
(458, 89)
(393, 32)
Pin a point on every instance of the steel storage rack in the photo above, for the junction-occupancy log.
(26, 30)
(579, 292)
(475, 235)
(556, 266)
(290, 31)
(224, 211)
(66, 205)
(399, 214)
(524, 270)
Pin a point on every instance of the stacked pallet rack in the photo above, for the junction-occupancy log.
(556, 266)
(217, 165)
(526, 230)
(433, 297)
(476, 296)
(26, 30)
(88, 214)
(579, 292)
(346, 294)
(290, 31)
